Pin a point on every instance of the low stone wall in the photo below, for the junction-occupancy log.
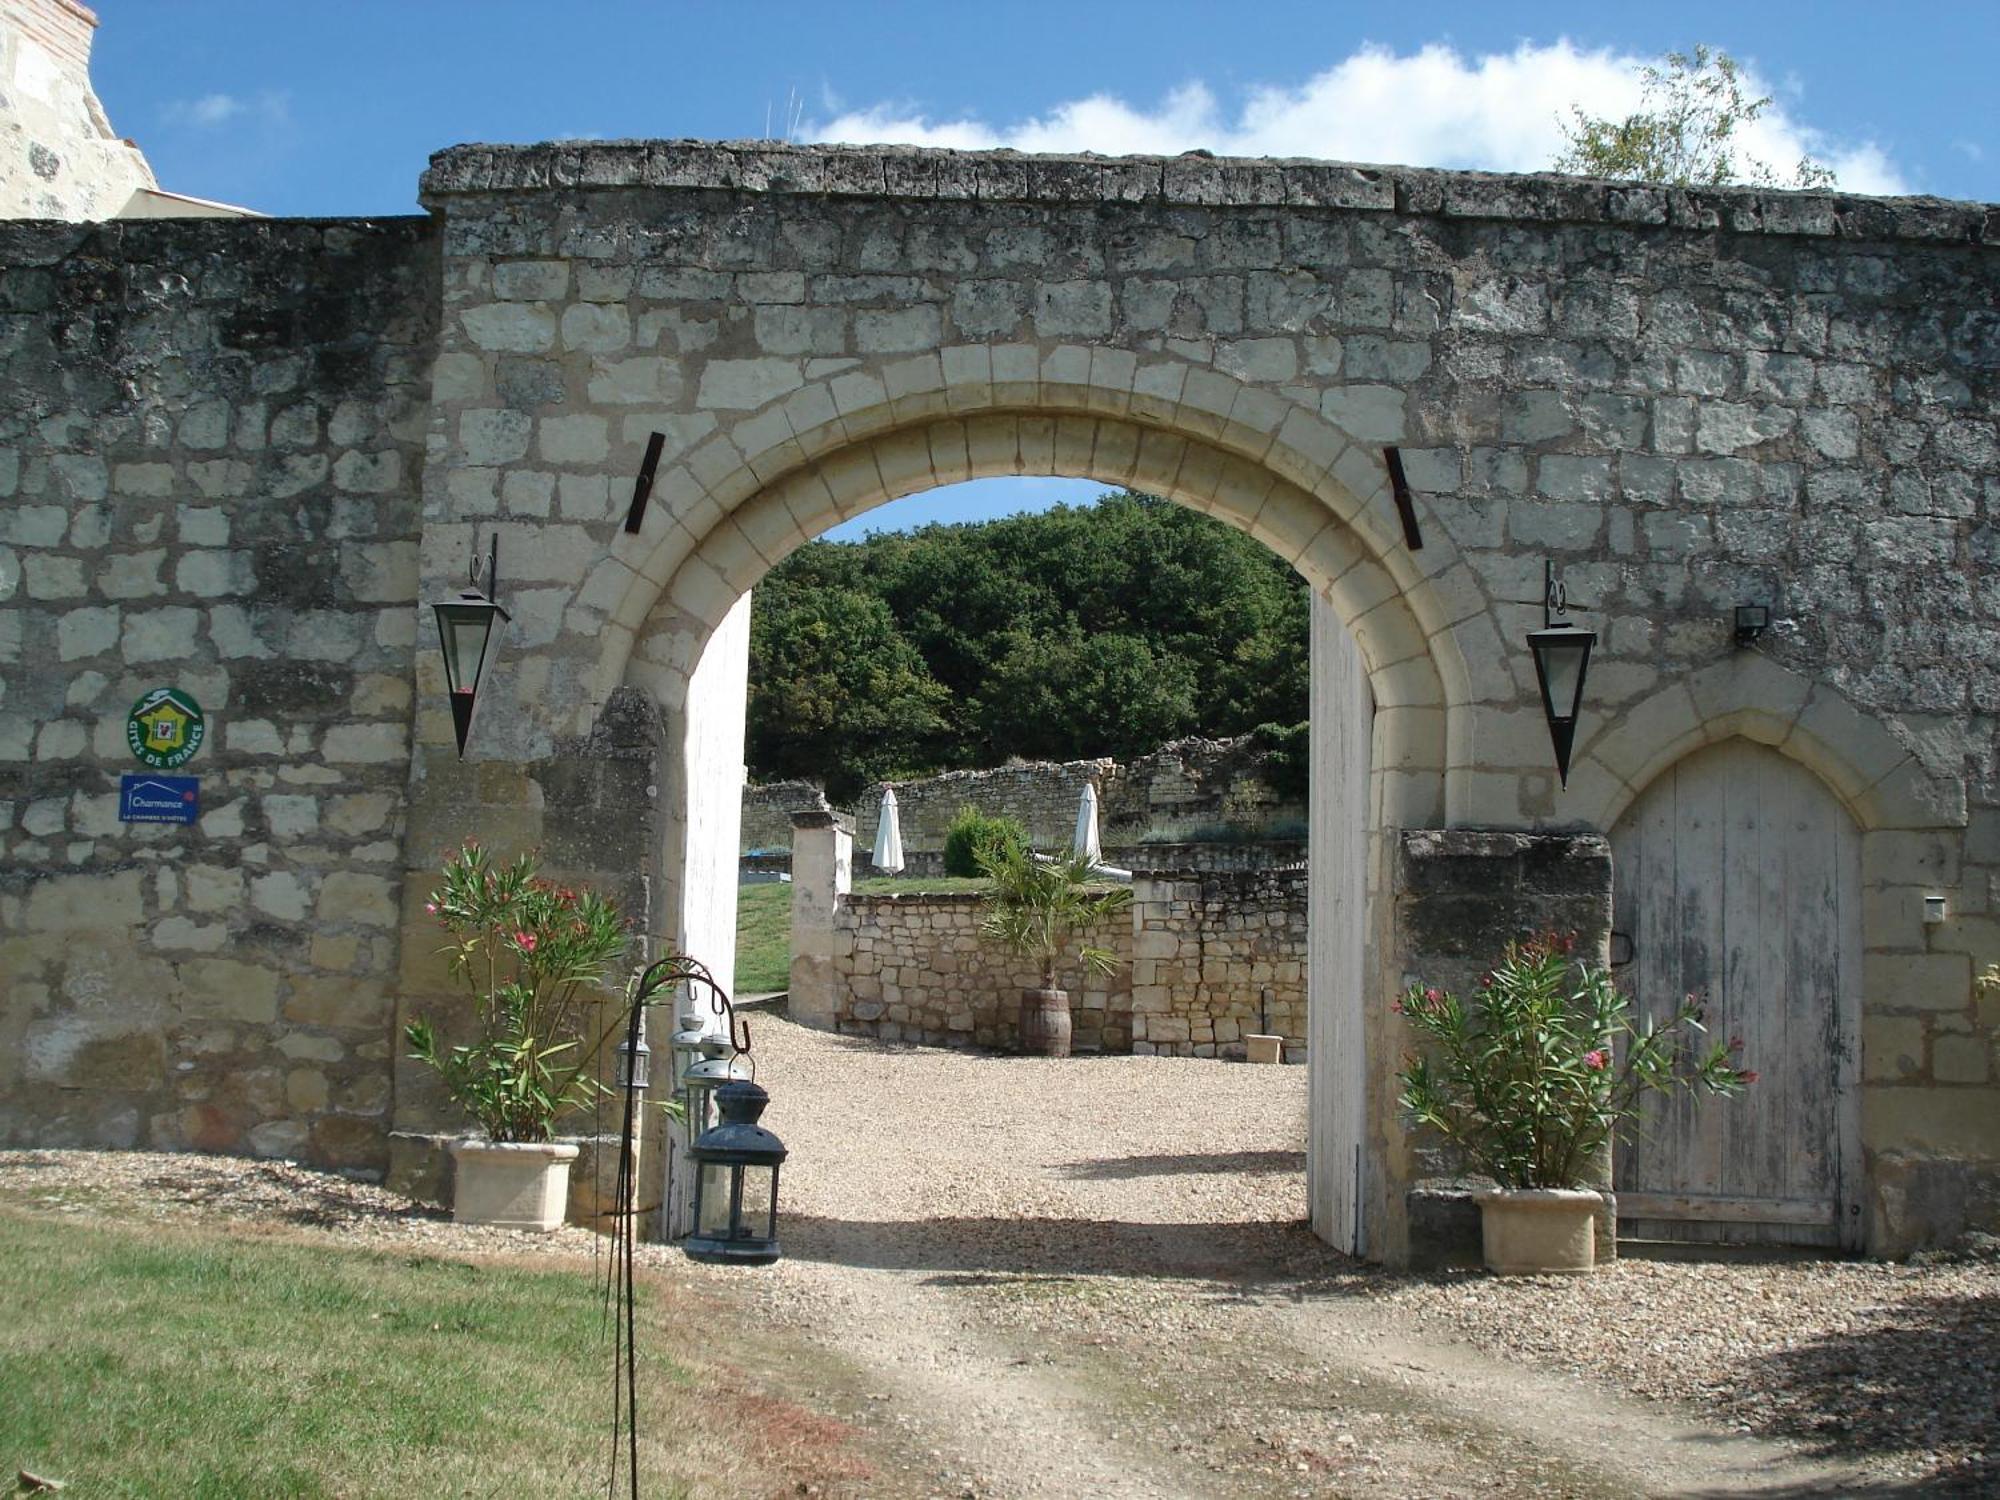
(1184, 787)
(1202, 957)
(915, 969)
(1217, 956)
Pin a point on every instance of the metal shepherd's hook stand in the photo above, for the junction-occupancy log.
(661, 977)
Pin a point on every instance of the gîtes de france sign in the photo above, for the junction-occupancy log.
(165, 729)
(158, 799)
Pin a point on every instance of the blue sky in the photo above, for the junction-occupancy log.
(303, 108)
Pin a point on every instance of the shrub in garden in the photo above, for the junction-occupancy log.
(973, 834)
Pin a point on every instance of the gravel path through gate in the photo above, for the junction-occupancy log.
(1089, 1277)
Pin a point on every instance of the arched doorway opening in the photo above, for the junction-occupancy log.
(1372, 672)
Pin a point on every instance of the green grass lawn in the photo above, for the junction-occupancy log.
(210, 1363)
(764, 924)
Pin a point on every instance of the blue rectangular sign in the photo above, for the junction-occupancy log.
(158, 799)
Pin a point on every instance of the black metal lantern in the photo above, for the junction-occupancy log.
(635, 1058)
(467, 627)
(736, 1182)
(1562, 656)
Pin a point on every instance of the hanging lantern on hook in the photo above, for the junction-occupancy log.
(1562, 656)
(736, 1165)
(467, 629)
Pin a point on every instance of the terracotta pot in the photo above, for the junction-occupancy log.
(1539, 1231)
(511, 1184)
(1045, 1024)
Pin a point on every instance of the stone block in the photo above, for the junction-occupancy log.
(1960, 1122)
(337, 1001)
(227, 989)
(350, 896)
(1962, 1059)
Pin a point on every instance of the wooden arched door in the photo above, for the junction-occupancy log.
(1738, 878)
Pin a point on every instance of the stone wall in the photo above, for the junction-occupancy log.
(766, 828)
(914, 969)
(1200, 957)
(1690, 400)
(208, 455)
(1217, 957)
(1186, 786)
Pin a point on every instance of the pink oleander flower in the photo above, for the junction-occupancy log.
(1749, 1075)
(431, 907)
(525, 941)
(1597, 1059)
(1433, 996)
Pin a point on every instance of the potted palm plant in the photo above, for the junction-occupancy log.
(1039, 907)
(533, 956)
(1532, 1079)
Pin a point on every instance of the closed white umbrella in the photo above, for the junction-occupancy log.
(888, 855)
(1087, 844)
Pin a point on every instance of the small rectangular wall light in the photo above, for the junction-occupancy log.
(1752, 620)
(1934, 910)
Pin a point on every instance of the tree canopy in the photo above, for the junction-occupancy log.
(1686, 134)
(1079, 631)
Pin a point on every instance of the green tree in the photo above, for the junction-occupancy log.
(1685, 133)
(1078, 631)
(837, 694)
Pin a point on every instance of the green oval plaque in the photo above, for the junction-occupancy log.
(165, 729)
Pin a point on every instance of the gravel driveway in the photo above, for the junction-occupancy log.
(1088, 1278)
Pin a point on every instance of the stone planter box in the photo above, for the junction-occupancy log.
(1539, 1231)
(511, 1184)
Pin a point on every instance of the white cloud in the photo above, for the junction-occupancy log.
(1433, 107)
(212, 111)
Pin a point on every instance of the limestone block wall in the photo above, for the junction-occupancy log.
(913, 968)
(767, 814)
(1200, 957)
(1216, 957)
(209, 444)
(1187, 785)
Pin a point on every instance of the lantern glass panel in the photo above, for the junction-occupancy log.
(1563, 662)
(760, 1202)
(716, 1189)
(464, 633)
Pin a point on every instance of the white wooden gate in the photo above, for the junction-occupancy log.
(1343, 713)
(1738, 878)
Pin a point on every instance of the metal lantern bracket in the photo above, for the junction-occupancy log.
(663, 976)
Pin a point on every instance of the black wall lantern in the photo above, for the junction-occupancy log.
(736, 1182)
(1562, 655)
(467, 628)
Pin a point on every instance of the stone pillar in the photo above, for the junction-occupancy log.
(822, 873)
(1461, 896)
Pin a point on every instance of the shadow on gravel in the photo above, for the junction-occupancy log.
(1244, 1163)
(1286, 1257)
(1847, 1393)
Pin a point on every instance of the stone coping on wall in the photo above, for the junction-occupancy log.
(1196, 179)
